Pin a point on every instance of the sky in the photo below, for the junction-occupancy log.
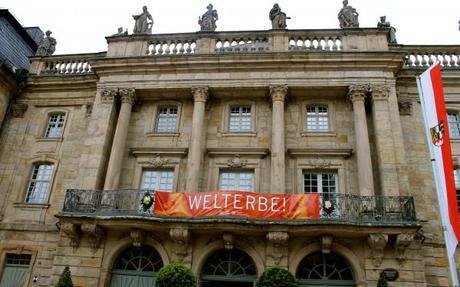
(81, 26)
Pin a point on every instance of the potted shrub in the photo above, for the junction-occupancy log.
(277, 277)
(65, 280)
(175, 275)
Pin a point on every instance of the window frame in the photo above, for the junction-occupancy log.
(319, 174)
(152, 117)
(47, 113)
(49, 129)
(158, 116)
(227, 107)
(239, 172)
(24, 250)
(317, 118)
(240, 116)
(158, 170)
(457, 124)
(302, 123)
(31, 180)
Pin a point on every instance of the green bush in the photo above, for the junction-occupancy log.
(277, 277)
(65, 280)
(175, 275)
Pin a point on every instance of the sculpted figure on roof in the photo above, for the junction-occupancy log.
(142, 24)
(208, 20)
(348, 17)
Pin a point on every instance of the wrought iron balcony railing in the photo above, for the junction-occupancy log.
(335, 208)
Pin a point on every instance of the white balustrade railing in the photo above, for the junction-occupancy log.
(242, 45)
(171, 47)
(66, 66)
(421, 60)
(315, 43)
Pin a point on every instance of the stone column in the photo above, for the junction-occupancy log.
(387, 164)
(278, 96)
(112, 178)
(195, 154)
(357, 95)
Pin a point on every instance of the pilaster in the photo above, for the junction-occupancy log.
(278, 96)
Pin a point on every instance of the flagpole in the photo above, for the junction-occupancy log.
(441, 199)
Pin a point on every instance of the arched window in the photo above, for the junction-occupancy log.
(136, 266)
(228, 268)
(320, 269)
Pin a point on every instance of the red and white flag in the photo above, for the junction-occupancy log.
(437, 127)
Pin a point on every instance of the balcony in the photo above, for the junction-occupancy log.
(341, 209)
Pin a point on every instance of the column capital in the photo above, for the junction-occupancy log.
(200, 94)
(380, 93)
(358, 92)
(278, 92)
(127, 95)
(108, 96)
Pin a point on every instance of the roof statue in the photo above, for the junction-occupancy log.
(348, 17)
(47, 45)
(120, 32)
(278, 18)
(208, 20)
(142, 24)
(385, 24)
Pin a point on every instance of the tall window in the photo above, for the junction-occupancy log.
(39, 183)
(325, 182)
(15, 270)
(317, 119)
(454, 125)
(240, 119)
(457, 186)
(55, 125)
(166, 120)
(237, 181)
(161, 180)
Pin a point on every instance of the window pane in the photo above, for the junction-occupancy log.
(320, 182)
(236, 181)
(18, 259)
(161, 180)
(166, 120)
(55, 125)
(317, 119)
(454, 125)
(240, 119)
(39, 183)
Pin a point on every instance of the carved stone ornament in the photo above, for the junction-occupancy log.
(402, 242)
(95, 234)
(278, 242)
(108, 96)
(72, 232)
(326, 243)
(47, 45)
(143, 22)
(237, 162)
(377, 243)
(380, 93)
(358, 92)
(158, 161)
(405, 108)
(278, 92)
(200, 94)
(137, 237)
(319, 163)
(348, 16)
(127, 96)
(208, 20)
(180, 236)
(18, 110)
(228, 240)
(278, 18)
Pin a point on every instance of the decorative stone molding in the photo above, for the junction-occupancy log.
(326, 243)
(137, 237)
(402, 242)
(18, 110)
(108, 96)
(127, 96)
(237, 162)
(228, 240)
(180, 236)
(158, 161)
(405, 108)
(277, 248)
(94, 232)
(200, 94)
(377, 243)
(72, 232)
(358, 92)
(319, 163)
(278, 93)
(380, 93)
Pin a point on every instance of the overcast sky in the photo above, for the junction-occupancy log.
(80, 26)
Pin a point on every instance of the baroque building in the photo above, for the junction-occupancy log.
(329, 112)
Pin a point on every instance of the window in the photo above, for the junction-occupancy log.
(317, 119)
(15, 270)
(166, 120)
(240, 119)
(158, 180)
(457, 186)
(320, 182)
(237, 181)
(55, 125)
(454, 125)
(39, 183)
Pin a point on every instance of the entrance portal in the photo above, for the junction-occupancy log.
(229, 268)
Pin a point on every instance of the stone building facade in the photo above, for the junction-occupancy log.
(272, 112)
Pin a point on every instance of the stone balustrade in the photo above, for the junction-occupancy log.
(171, 46)
(300, 41)
(425, 56)
(242, 42)
(63, 65)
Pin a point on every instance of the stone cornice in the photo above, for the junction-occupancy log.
(304, 152)
(147, 151)
(242, 152)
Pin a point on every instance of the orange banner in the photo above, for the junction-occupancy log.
(242, 204)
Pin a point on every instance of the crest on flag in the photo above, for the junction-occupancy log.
(437, 134)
